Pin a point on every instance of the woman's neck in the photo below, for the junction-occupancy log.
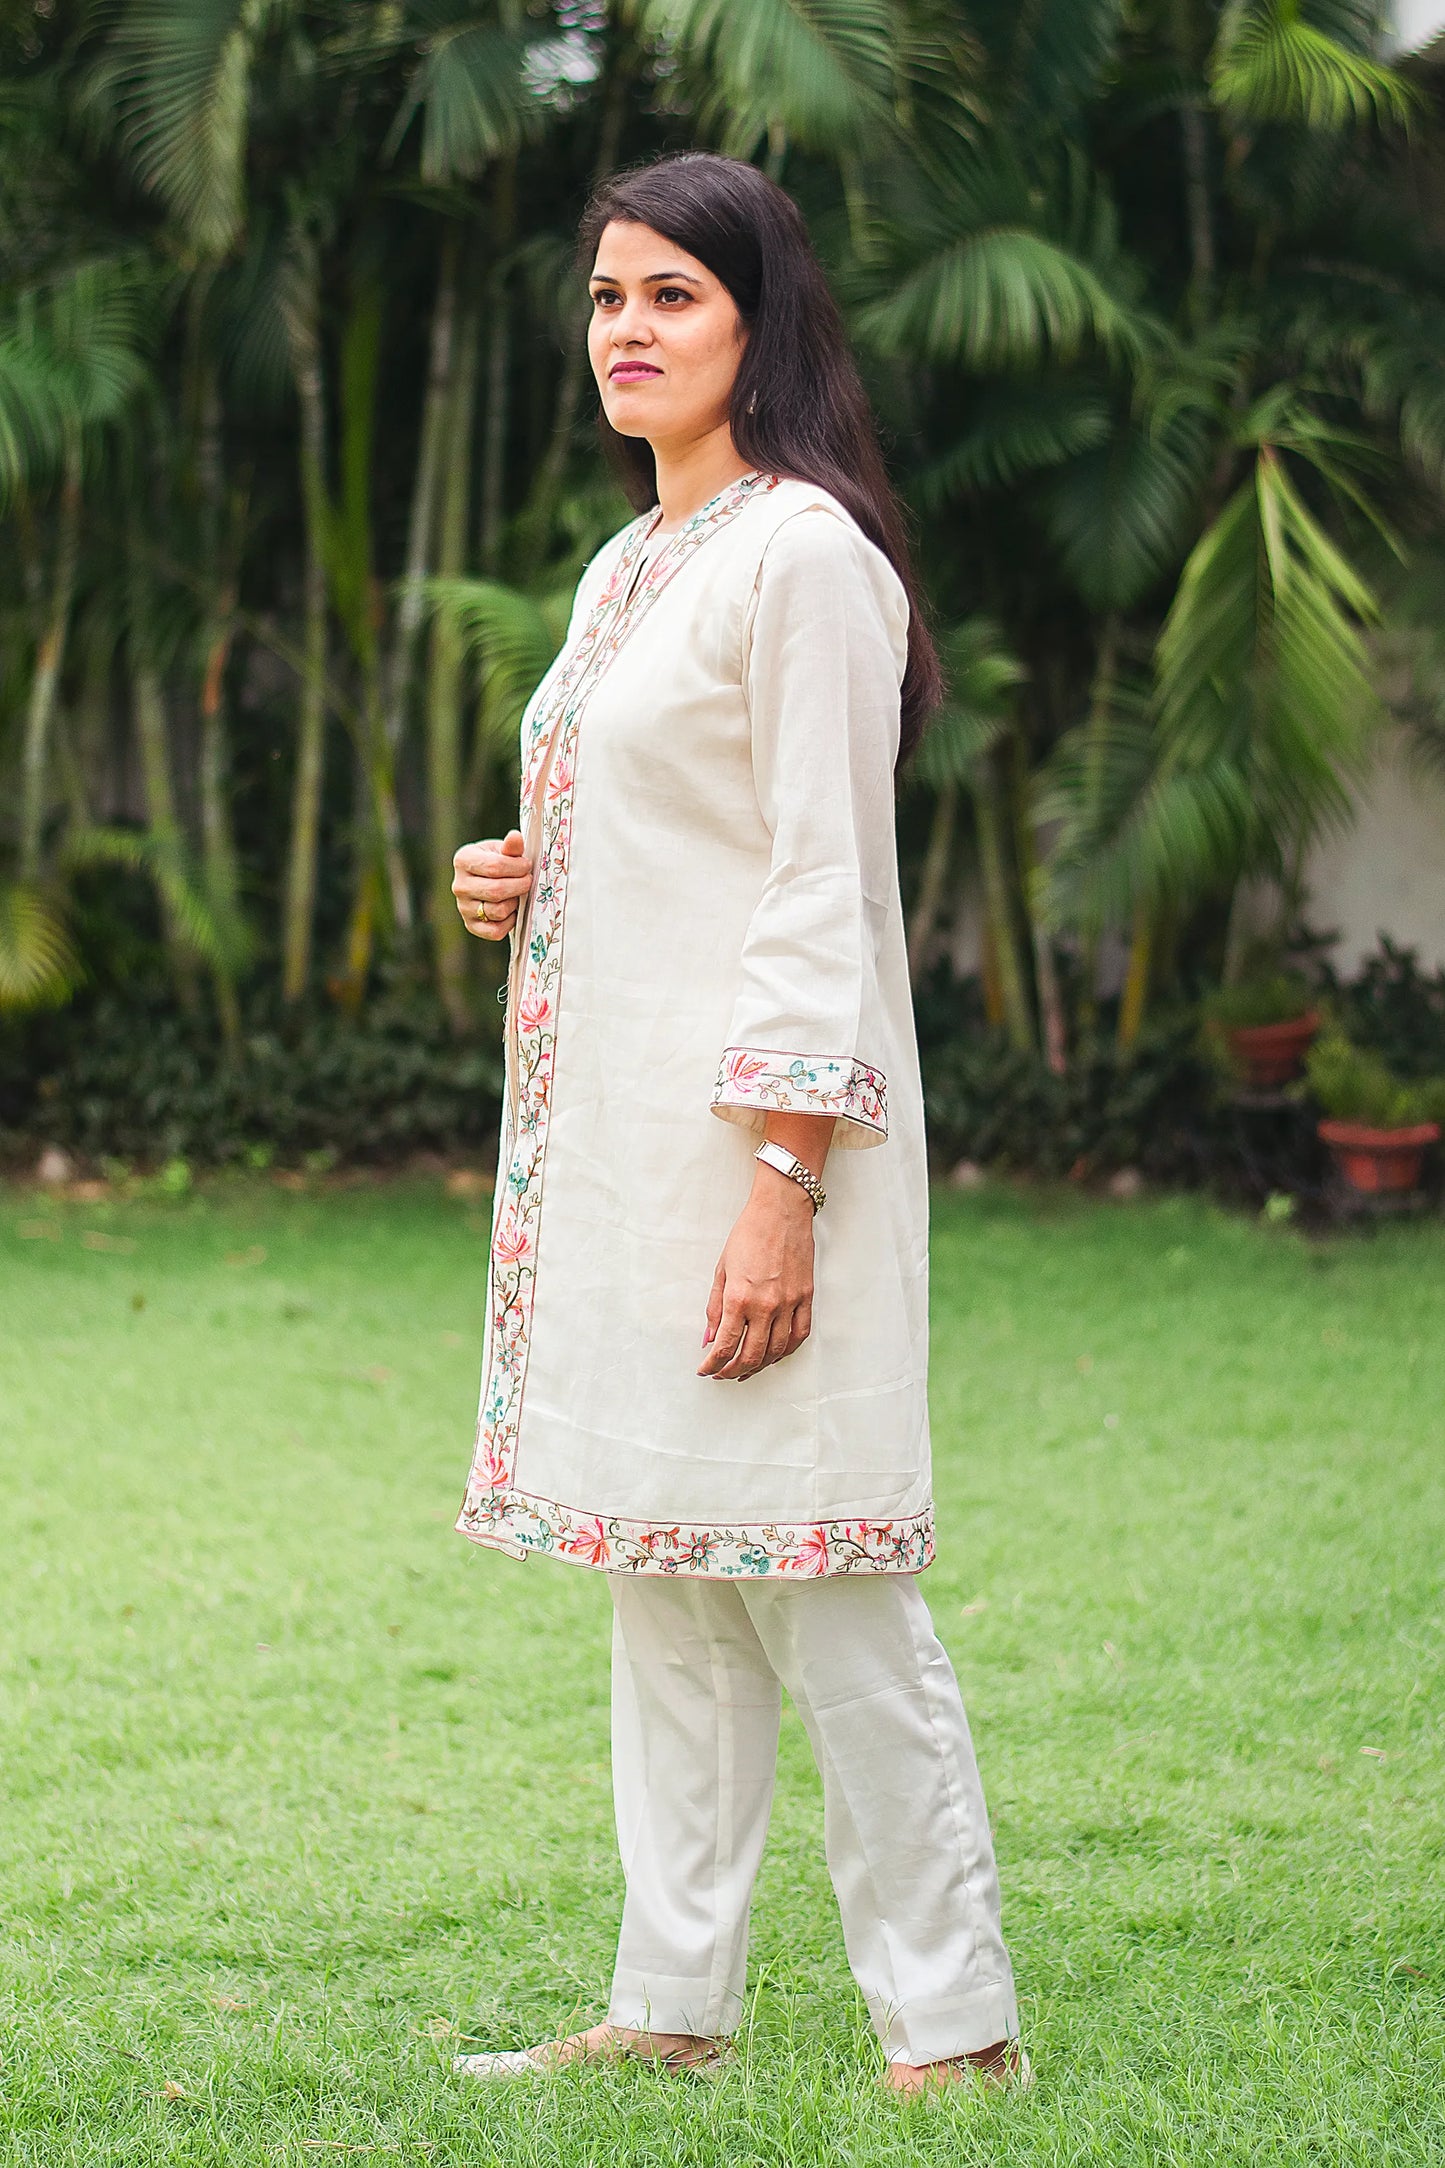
(690, 475)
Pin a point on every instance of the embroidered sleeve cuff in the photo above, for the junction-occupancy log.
(753, 1081)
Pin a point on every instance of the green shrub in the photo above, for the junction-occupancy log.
(1276, 999)
(1355, 1084)
(1152, 1110)
(132, 1079)
(1394, 1007)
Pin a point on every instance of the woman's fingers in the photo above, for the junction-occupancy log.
(489, 928)
(476, 888)
(491, 860)
(738, 1348)
(488, 874)
(748, 1338)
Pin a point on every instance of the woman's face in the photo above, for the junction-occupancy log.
(665, 337)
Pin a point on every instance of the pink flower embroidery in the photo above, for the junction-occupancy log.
(533, 1012)
(513, 1244)
(811, 1555)
(744, 1068)
(587, 1540)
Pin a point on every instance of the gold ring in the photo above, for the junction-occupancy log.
(483, 915)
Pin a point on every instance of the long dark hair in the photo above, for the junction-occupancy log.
(798, 405)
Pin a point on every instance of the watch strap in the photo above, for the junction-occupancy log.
(786, 1162)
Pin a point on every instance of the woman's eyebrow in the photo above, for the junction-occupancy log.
(650, 278)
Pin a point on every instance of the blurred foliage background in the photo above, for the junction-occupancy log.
(298, 469)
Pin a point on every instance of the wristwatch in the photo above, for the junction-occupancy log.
(786, 1162)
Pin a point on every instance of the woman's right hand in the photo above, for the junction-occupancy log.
(492, 877)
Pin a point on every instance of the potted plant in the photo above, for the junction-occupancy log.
(1265, 1023)
(1377, 1127)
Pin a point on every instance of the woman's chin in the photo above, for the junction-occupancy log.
(628, 419)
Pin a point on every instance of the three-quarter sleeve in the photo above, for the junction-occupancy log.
(823, 656)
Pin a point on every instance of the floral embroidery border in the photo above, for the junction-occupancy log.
(753, 1076)
(509, 1520)
(532, 1016)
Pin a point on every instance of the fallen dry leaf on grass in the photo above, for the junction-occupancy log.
(93, 1239)
(255, 1255)
(38, 1231)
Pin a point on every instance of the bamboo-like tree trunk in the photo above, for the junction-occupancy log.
(303, 331)
(422, 522)
(150, 714)
(492, 491)
(993, 851)
(553, 465)
(933, 879)
(444, 686)
(1136, 982)
(1101, 701)
(49, 660)
(994, 1011)
(81, 734)
(152, 729)
(366, 895)
(1194, 147)
(1031, 887)
(221, 554)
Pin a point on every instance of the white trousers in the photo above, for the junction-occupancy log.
(696, 1673)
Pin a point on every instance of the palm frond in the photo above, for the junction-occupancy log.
(1049, 57)
(180, 80)
(39, 967)
(982, 673)
(511, 639)
(1262, 655)
(1005, 298)
(1134, 823)
(206, 934)
(1014, 430)
(824, 71)
(1269, 64)
(471, 89)
(72, 355)
(1118, 513)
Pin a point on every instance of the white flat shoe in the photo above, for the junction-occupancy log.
(543, 2062)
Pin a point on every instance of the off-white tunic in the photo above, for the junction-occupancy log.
(713, 929)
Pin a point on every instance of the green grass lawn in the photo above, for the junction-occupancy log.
(298, 1788)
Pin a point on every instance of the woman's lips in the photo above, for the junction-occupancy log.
(631, 372)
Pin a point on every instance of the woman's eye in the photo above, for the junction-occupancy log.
(676, 293)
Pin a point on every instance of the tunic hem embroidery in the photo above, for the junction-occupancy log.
(509, 1520)
(762, 1077)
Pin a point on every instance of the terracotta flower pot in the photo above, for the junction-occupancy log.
(1271, 1054)
(1375, 1160)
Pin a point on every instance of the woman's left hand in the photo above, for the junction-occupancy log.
(761, 1306)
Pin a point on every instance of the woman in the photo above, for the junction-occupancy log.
(707, 818)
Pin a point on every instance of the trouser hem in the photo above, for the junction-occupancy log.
(658, 2002)
(928, 2031)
